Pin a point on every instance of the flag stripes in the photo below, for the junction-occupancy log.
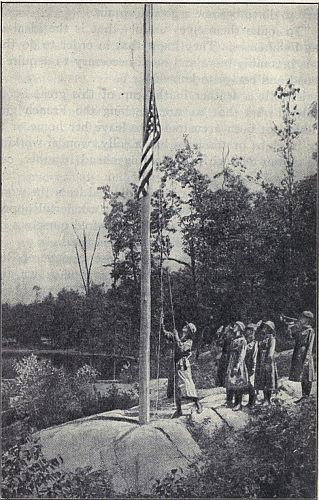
(152, 134)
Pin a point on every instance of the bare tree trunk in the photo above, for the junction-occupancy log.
(86, 272)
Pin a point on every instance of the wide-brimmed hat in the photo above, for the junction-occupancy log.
(251, 326)
(271, 325)
(308, 314)
(192, 327)
(241, 325)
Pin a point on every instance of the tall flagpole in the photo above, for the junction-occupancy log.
(145, 326)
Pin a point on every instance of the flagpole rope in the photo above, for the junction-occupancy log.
(160, 214)
(162, 251)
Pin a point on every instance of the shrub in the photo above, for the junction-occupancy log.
(86, 374)
(173, 485)
(273, 457)
(26, 473)
(46, 395)
(8, 391)
(113, 399)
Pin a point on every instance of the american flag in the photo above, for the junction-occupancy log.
(152, 133)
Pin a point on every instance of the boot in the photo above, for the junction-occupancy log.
(229, 399)
(300, 399)
(267, 398)
(252, 398)
(199, 407)
(177, 414)
(238, 400)
(237, 407)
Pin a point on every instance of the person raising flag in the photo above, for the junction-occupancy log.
(185, 387)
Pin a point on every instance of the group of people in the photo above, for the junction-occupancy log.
(247, 363)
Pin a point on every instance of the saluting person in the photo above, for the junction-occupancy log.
(236, 380)
(251, 361)
(302, 368)
(226, 337)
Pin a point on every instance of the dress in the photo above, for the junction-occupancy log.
(184, 380)
(251, 361)
(224, 359)
(266, 369)
(236, 374)
(302, 368)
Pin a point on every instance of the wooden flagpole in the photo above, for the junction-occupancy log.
(145, 325)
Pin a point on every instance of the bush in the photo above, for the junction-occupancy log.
(8, 390)
(173, 485)
(26, 473)
(273, 457)
(46, 394)
(112, 400)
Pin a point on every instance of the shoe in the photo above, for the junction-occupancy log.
(200, 408)
(177, 414)
(237, 408)
(299, 400)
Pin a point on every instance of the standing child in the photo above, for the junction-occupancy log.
(266, 369)
(251, 361)
(226, 337)
(184, 385)
(236, 380)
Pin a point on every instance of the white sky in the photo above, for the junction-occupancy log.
(72, 112)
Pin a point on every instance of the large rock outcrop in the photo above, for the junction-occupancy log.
(134, 455)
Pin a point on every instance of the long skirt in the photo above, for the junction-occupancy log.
(221, 371)
(266, 374)
(238, 380)
(301, 371)
(184, 380)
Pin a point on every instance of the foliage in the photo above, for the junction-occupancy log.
(287, 95)
(8, 390)
(270, 458)
(27, 473)
(93, 402)
(86, 375)
(45, 393)
(47, 396)
(173, 485)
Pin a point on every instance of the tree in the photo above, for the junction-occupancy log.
(85, 270)
(313, 112)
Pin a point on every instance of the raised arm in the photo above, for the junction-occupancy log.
(272, 348)
(242, 353)
(255, 354)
